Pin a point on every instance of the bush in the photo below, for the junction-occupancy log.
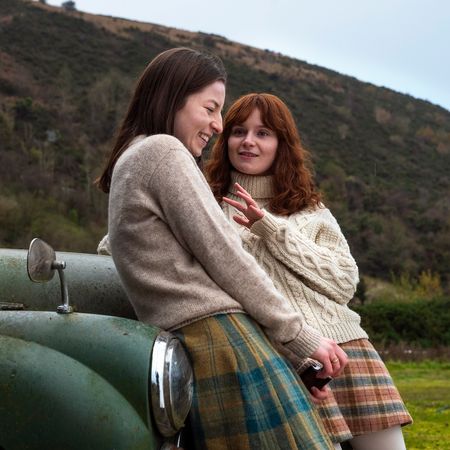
(420, 323)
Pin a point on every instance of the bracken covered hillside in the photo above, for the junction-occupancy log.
(382, 158)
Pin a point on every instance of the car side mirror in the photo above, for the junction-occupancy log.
(41, 266)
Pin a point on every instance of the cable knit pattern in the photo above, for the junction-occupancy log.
(319, 254)
(307, 257)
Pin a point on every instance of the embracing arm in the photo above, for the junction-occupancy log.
(200, 226)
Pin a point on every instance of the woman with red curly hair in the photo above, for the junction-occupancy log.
(259, 167)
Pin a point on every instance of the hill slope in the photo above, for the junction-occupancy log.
(382, 158)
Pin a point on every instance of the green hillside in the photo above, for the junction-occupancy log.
(382, 158)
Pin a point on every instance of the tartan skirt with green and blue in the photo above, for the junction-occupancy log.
(246, 396)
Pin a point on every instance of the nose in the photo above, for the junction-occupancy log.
(217, 124)
(248, 140)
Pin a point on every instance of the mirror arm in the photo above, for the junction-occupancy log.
(65, 308)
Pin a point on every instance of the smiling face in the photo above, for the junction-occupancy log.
(200, 117)
(252, 147)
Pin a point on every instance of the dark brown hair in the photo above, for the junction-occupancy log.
(293, 184)
(161, 91)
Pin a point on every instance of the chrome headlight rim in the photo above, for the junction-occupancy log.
(170, 369)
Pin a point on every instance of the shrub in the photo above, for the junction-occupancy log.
(422, 323)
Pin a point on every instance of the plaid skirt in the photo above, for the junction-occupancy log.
(364, 398)
(245, 394)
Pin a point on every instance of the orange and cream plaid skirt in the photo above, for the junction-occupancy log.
(364, 398)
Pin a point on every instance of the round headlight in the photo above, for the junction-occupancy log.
(171, 384)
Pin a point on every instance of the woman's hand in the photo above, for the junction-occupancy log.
(251, 211)
(332, 357)
(317, 395)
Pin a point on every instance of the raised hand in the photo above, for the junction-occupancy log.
(250, 210)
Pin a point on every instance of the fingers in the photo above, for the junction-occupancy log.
(241, 192)
(335, 366)
(251, 210)
(238, 219)
(241, 221)
(332, 357)
(327, 370)
(339, 361)
(257, 213)
(319, 394)
(239, 206)
(247, 198)
(241, 189)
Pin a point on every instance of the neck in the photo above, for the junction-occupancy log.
(258, 186)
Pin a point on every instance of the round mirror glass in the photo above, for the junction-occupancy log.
(39, 261)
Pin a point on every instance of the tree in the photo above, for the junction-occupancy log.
(69, 5)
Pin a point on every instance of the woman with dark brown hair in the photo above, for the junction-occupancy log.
(259, 168)
(184, 269)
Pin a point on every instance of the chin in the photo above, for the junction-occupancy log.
(248, 171)
(195, 152)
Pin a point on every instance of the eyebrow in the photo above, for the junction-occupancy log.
(215, 103)
(257, 126)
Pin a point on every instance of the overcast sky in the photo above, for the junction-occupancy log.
(400, 44)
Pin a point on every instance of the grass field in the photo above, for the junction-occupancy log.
(425, 388)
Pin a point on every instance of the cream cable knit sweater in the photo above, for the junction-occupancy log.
(308, 259)
(178, 257)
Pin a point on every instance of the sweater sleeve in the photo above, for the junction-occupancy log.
(200, 226)
(322, 260)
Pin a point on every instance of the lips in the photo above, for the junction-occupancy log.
(204, 137)
(247, 154)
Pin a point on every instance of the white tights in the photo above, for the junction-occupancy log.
(388, 439)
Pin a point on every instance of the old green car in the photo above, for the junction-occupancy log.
(77, 370)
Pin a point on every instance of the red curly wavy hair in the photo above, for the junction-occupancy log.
(294, 187)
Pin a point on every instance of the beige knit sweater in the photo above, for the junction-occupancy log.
(178, 257)
(308, 259)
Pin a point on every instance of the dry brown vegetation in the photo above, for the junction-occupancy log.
(381, 158)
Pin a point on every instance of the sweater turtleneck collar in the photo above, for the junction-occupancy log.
(259, 187)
